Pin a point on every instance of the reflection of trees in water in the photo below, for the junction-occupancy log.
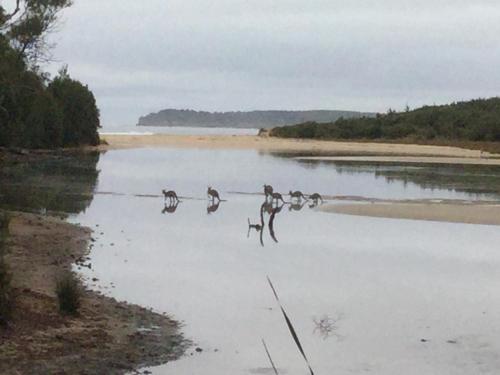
(465, 179)
(64, 183)
(471, 179)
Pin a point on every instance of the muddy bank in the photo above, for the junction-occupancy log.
(107, 337)
(486, 214)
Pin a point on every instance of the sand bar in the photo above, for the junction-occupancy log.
(476, 213)
(120, 141)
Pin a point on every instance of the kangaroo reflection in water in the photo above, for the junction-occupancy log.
(297, 206)
(212, 206)
(257, 227)
(271, 210)
(170, 207)
(275, 211)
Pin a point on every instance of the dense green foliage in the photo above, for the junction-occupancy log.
(34, 112)
(79, 110)
(476, 120)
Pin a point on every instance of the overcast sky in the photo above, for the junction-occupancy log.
(219, 55)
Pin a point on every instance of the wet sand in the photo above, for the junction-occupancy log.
(474, 213)
(106, 337)
(119, 141)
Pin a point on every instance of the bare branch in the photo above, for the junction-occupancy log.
(8, 17)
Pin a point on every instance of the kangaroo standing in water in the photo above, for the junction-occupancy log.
(268, 191)
(171, 195)
(315, 197)
(297, 194)
(212, 194)
(277, 197)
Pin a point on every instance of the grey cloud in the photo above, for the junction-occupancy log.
(231, 54)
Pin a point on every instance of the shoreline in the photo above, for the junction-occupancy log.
(297, 146)
(106, 336)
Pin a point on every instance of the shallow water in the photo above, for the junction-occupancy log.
(365, 295)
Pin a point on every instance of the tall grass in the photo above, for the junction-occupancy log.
(6, 298)
(68, 294)
(4, 228)
(270, 358)
(290, 327)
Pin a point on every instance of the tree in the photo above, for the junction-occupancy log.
(28, 24)
(79, 110)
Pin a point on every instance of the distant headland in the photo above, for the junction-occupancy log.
(251, 119)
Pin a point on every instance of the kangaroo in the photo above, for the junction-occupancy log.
(297, 194)
(212, 194)
(277, 197)
(268, 190)
(171, 195)
(315, 197)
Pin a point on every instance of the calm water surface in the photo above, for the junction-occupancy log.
(178, 130)
(365, 295)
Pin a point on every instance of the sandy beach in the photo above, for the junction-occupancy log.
(120, 141)
(475, 213)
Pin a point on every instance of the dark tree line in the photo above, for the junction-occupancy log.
(476, 120)
(35, 111)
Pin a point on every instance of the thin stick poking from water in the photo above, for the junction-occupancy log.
(290, 326)
(269, 356)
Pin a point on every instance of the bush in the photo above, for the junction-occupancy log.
(475, 120)
(43, 125)
(79, 109)
(6, 300)
(68, 294)
(34, 115)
